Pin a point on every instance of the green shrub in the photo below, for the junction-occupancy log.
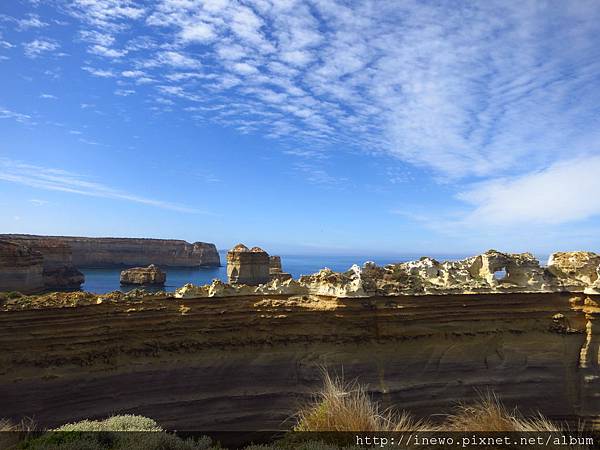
(126, 432)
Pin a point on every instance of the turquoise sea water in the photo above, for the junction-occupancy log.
(106, 280)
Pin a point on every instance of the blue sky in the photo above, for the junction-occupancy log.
(374, 127)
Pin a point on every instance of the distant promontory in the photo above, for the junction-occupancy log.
(51, 262)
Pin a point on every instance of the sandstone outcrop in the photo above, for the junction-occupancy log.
(119, 252)
(21, 269)
(150, 275)
(576, 270)
(247, 266)
(275, 264)
(275, 269)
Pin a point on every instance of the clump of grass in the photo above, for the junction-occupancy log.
(488, 414)
(26, 425)
(348, 407)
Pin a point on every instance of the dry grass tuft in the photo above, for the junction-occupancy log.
(348, 407)
(489, 415)
(25, 425)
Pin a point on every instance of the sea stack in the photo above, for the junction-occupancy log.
(275, 269)
(150, 275)
(248, 266)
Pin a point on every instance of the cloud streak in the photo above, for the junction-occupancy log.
(63, 181)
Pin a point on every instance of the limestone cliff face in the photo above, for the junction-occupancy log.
(21, 269)
(114, 252)
(59, 272)
(247, 362)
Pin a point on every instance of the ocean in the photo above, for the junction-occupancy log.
(101, 281)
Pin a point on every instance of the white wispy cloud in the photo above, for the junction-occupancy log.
(37, 47)
(64, 181)
(48, 96)
(19, 117)
(464, 90)
(107, 52)
(124, 92)
(107, 14)
(317, 174)
(31, 21)
(565, 191)
(102, 73)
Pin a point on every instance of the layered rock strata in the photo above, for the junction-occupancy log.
(21, 269)
(150, 275)
(248, 362)
(59, 271)
(118, 252)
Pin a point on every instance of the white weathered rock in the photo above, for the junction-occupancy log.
(521, 272)
(575, 269)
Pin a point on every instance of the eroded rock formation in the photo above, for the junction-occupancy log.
(150, 275)
(491, 272)
(275, 264)
(576, 269)
(247, 266)
(275, 269)
(118, 252)
(21, 269)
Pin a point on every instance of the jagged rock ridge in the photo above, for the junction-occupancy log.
(521, 272)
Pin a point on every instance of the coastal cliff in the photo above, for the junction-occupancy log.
(59, 273)
(21, 269)
(123, 252)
